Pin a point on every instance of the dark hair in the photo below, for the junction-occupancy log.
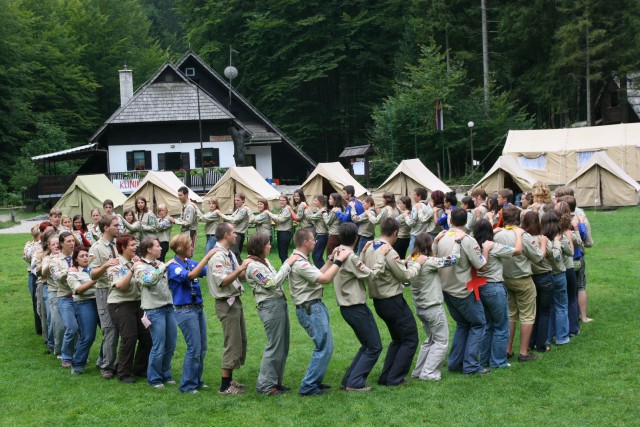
(241, 196)
(389, 199)
(322, 199)
(531, 223)
(406, 201)
(265, 202)
(492, 203)
(506, 194)
(483, 231)
(300, 193)
(564, 212)
(528, 196)
(388, 226)
(437, 197)
(422, 244)
(348, 233)
(44, 240)
(458, 217)
(349, 190)
(135, 206)
(107, 202)
(146, 244)
(564, 190)
(511, 215)
(127, 212)
(451, 198)
(300, 237)
(123, 241)
(550, 223)
(222, 229)
(478, 192)
(284, 196)
(64, 235)
(468, 200)
(77, 251)
(571, 201)
(421, 192)
(337, 200)
(105, 221)
(183, 190)
(84, 224)
(257, 242)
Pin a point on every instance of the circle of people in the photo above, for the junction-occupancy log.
(493, 264)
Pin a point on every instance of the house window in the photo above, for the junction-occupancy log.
(190, 72)
(583, 157)
(539, 162)
(208, 157)
(139, 160)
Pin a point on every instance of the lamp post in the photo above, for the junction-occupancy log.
(471, 125)
(231, 72)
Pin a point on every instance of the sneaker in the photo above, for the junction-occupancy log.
(157, 385)
(204, 386)
(323, 386)
(106, 375)
(170, 382)
(273, 391)
(232, 390)
(65, 364)
(283, 387)
(359, 390)
(192, 392)
(236, 384)
(316, 392)
(59, 356)
(527, 357)
(128, 380)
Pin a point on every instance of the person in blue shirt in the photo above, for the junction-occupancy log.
(450, 204)
(184, 281)
(348, 195)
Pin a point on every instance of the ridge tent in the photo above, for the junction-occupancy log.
(161, 187)
(328, 178)
(553, 156)
(87, 192)
(245, 180)
(409, 175)
(506, 173)
(602, 183)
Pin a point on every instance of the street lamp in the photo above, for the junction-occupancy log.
(471, 125)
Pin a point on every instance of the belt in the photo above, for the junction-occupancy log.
(226, 298)
(178, 307)
(307, 305)
(211, 235)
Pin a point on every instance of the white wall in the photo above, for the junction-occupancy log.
(264, 165)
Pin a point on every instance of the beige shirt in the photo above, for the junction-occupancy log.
(153, 284)
(148, 224)
(93, 233)
(265, 281)
(421, 218)
(58, 269)
(283, 220)
(219, 267)
(366, 227)
(302, 281)
(188, 220)
(304, 216)
(318, 222)
(493, 270)
(78, 278)
(405, 230)
(163, 229)
(211, 220)
(332, 222)
(262, 222)
(115, 274)
(349, 283)
(520, 265)
(100, 253)
(389, 282)
(239, 218)
(454, 280)
(426, 287)
(384, 213)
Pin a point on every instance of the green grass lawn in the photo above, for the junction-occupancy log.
(592, 381)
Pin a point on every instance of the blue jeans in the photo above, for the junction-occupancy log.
(87, 318)
(193, 325)
(318, 250)
(493, 351)
(316, 323)
(67, 310)
(544, 301)
(467, 339)
(163, 334)
(362, 240)
(559, 323)
(47, 305)
(211, 242)
(412, 241)
(32, 292)
(572, 301)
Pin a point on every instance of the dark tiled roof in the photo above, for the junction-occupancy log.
(357, 150)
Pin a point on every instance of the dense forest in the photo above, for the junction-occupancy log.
(329, 73)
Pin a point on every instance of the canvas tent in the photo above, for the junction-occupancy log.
(88, 192)
(409, 175)
(602, 183)
(555, 155)
(328, 178)
(506, 173)
(246, 180)
(161, 187)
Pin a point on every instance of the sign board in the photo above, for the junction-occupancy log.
(127, 185)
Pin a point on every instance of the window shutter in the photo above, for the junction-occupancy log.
(160, 161)
(198, 157)
(147, 160)
(129, 160)
(185, 161)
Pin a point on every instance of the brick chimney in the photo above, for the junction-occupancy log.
(126, 85)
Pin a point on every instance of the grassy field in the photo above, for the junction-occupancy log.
(592, 381)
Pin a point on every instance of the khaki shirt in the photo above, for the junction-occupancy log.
(304, 216)
(454, 280)
(493, 270)
(115, 274)
(283, 220)
(302, 281)
(318, 222)
(366, 228)
(100, 253)
(188, 220)
(389, 282)
(567, 249)
(520, 265)
(262, 222)
(426, 287)
(265, 281)
(45, 261)
(219, 267)
(348, 283)
(239, 218)
(384, 213)
(148, 223)
(93, 233)
(211, 220)
(421, 218)
(58, 269)
(405, 230)
(153, 284)
(332, 222)
(75, 280)
(163, 229)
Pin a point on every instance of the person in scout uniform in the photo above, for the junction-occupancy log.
(211, 220)
(321, 230)
(386, 290)
(188, 220)
(366, 228)
(351, 296)
(223, 274)
(93, 230)
(147, 219)
(262, 220)
(240, 220)
(284, 225)
(163, 229)
(305, 283)
(421, 217)
(517, 279)
(107, 205)
(27, 254)
(465, 308)
(266, 283)
(102, 256)
(303, 211)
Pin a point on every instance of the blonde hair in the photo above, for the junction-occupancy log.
(541, 193)
(180, 243)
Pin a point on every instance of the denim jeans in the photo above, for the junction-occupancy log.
(163, 334)
(544, 301)
(316, 323)
(87, 318)
(467, 339)
(362, 240)
(559, 323)
(211, 242)
(493, 351)
(284, 238)
(193, 325)
(47, 305)
(318, 250)
(434, 348)
(412, 241)
(32, 292)
(572, 300)
(67, 310)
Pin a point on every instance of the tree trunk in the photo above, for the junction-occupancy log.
(449, 161)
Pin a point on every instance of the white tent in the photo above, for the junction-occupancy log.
(506, 173)
(553, 156)
(327, 178)
(161, 187)
(409, 175)
(245, 180)
(603, 183)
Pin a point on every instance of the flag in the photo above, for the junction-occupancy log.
(439, 116)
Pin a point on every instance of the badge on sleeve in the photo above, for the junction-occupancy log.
(261, 278)
(178, 270)
(360, 265)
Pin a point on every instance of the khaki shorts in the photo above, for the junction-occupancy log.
(234, 332)
(522, 300)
